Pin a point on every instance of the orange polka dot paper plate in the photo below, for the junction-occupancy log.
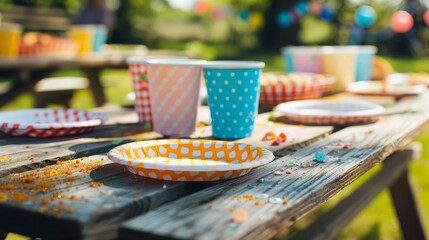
(190, 160)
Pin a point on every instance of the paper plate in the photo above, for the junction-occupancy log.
(49, 122)
(279, 88)
(377, 88)
(190, 160)
(318, 112)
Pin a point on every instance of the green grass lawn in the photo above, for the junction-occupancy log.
(377, 221)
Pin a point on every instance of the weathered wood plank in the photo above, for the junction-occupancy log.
(206, 214)
(22, 157)
(330, 224)
(97, 215)
(65, 199)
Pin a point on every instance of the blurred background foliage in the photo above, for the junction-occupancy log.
(213, 28)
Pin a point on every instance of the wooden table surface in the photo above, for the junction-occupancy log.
(67, 187)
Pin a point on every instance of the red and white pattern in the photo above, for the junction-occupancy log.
(57, 46)
(318, 112)
(141, 90)
(272, 95)
(49, 122)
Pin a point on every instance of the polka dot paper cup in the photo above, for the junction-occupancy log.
(233, 96)
(174, 88)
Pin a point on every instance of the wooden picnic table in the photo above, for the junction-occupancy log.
(50, 187)
(27, 71)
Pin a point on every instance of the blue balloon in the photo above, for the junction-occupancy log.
(284, 19)
(302, 8)
(365, 16)
(327, 14)
(244, 15)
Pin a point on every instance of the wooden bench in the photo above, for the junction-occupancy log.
(59, 90)
(36, 19)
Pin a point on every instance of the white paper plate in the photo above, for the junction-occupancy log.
(319, 112)
(377, 88)
(49, 122)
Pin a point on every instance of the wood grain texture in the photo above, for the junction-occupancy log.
(330, 224)
(62, 200)
(23, 155)
(96, 212)
(207, 213)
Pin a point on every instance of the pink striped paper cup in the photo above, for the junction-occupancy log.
(137, 68)
(174, 89)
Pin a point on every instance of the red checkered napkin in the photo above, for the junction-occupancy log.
(319, 112)
(274, 94)
(49, 122)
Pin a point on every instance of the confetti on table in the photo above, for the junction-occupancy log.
(278, 173)
(239, 216)
(263, 180)
(320, 156)
(252, 185)
(262, 196)
(269, 136)
(281, 138)
(275, 200)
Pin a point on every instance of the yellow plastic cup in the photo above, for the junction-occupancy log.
(84, 36)
(340, 61)
(9, 44)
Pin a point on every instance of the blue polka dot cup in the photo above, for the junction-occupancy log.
(233, 97)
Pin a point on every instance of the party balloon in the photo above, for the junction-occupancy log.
(327, 14)
(201, 7)
(302, 8)
(244, 15)
(284, 19)
(315, 7)
(426, 17)
(218, 13)
(365, 16)
(401, 21)
(256, 20)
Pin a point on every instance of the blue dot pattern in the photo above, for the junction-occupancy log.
(233, 97)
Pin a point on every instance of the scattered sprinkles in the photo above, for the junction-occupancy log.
(269, 136)
(320, 156)
(95, 184)
(278, 173)
(275, 200)
(281, 138)
(239, 215)
(262, 196)
(252, 185)
(5, 158)
(263, 180)
(43, 187)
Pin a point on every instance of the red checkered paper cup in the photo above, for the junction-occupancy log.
(137, 68)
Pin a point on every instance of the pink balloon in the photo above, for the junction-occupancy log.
(426, 17)
(401, 21)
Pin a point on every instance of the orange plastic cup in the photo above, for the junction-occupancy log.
(84, 36)
(9, 44)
